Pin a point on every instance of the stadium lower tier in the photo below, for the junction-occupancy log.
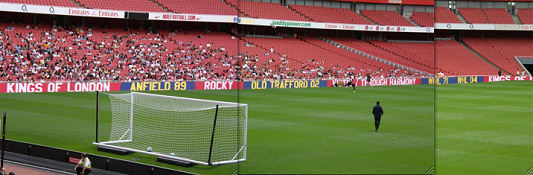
(39, 53)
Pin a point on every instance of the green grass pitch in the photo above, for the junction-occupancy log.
(304, 131)
(484, 128)
(481, 128)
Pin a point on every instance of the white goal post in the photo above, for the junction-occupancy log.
(194, 130)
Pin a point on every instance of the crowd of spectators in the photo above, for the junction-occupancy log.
(41, 53)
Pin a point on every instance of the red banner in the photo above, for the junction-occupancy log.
(381, 82)
(217, 85)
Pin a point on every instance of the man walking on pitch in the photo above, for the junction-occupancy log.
(378, 112)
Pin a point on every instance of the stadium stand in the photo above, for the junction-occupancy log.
(356, 18)
(502, 51)
(498, 16)
(330, 15)
(452, 58)
(420, 53)
(84, 54)
(64, 3)
(269, 11)
(486, 16)
(44, 53)
(423, 19)
(129, 5)
(313, 55)
(381, 49)
(525, 16)
(474, 15)
(215, 7)
(445, 15)
(386, 18)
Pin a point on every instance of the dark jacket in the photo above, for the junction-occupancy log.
(377, 111)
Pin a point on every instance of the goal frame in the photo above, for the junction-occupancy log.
(242, 149)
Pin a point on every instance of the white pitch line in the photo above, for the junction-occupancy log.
(530, 170)
(430, 171)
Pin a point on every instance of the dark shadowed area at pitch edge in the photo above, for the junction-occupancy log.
(323, 130)
(484, 128)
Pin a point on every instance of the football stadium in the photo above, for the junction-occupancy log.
(214, 87)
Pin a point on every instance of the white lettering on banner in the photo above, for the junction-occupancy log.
(378, 82)
(88, 87)
(54, 87)
(218, 85)
(24, 87)
(499, 78)
(339, 26)
(81, 12)
(403, 81)
(395, 1)
(178, 17)
(44, 9)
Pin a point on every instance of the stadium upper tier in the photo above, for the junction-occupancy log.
(215, 7)
(423, 19)
(526, 16)
(445, 15)
(126, 5)
(486, 16)
(64, 3)
(386, 18)
(253, 9)
(269, 11)
(337, 15)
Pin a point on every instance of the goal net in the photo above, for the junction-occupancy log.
(194, 130)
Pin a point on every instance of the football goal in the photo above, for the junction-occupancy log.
(193, 130)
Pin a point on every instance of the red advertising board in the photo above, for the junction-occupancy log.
(217, 85)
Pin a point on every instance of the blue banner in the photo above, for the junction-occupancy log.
(285, 84)
(454, 80)
(157, 86)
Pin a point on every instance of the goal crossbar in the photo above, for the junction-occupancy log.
(140, 107)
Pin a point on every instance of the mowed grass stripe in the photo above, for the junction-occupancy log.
(488, 135)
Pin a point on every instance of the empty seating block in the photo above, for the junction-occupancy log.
(498, 16)
(486, 16)
(265, 10)
(129, 5)
(64, 3)
(445, 15)
(423, 19)
(331, 15)
(526, 16)
(452, 58)
(356, 18)
(386, 18)
(388, 52)
(502, 51)
(474, 15)
(215, 7)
